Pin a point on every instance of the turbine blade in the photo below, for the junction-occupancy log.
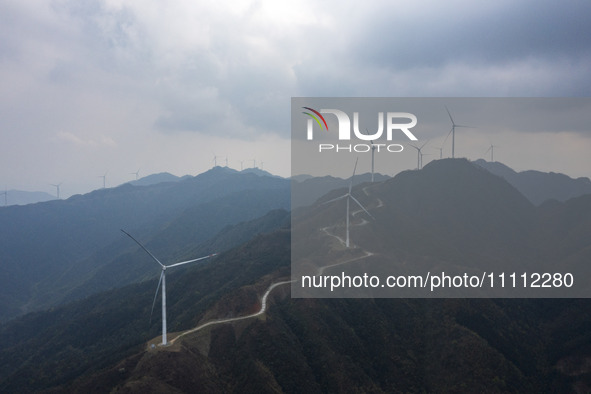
(416, 147)
(191, 261)
(355, 168)
(488, 150)
(426, 142)
(335, 199)
(155, 296)
(143, 247)
(358, 203)
(450, 118)
(447, 136)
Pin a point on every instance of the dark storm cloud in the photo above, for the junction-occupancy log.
(488, 34)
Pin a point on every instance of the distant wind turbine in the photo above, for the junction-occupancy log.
(215, 160)
(254, 163)
(104, 179)
(137, 174)
(163, 281)
(491, 148)
(348, 196)
(419, 155)
(241, 165)
(453, 133)
(58, 189)
(373, 149)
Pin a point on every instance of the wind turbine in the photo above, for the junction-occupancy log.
(254, 163)
(373, 149)
(241, 166)
(419, 154)
(348, 196)
(215, 160)
(491, 148)
(104, 179)
(58, 189)
(453, 133)
(137, 173)
(163, 281)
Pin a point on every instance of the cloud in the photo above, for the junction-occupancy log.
(101, 73)
(74, 139)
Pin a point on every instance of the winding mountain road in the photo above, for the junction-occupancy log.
(232, 319)
(274, 285)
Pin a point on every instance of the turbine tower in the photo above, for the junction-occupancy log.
(163, 281)
(348, 196)
(453, 133)
(104, 179)
(491, 148)
(373, 150)
(58, 189)
(419, 155)
(215, 160)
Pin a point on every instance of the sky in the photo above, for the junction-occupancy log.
(95, 87)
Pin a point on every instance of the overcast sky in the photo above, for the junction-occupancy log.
(95, 87)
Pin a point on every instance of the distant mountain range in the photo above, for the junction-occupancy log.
(307, 189)
(20, 197)
(540, 186)
(450, 211)
(49, 250)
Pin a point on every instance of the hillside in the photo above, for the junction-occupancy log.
(450, 212)
(540, 186)
(45, 349)
(21, 197)
(49, 249)
(306, 189)
(452, 217)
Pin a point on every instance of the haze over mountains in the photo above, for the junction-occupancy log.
(49, 249)
(540, 186)
(451, 210)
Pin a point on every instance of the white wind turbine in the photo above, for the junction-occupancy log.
(163, 281)
(104, 179)
(58, 189)
(419, 155)
(373, 150)
(348, 196)
(453, 133)
(491, 148)
(137, 174)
